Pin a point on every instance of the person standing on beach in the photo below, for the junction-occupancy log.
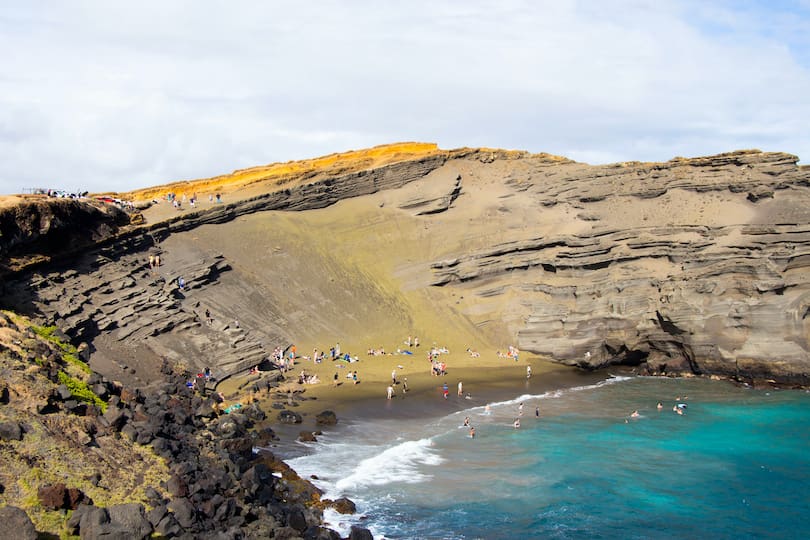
(390, 391)
(394, 376)
(336, 379)
(445, 390)
(354, 377)
(529, 372)
(460, 391)
(405, 385)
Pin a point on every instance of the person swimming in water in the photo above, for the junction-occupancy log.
(517, 423)
(634, 414)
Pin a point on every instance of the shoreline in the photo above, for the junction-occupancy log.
(425, 400)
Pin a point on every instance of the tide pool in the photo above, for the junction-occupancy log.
(736, 464)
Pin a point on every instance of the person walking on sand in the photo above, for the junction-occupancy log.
(445, 390)
(405, 385)
(390, 391)
(336, 380)
(393, 376)
(529, 372)
(460, 387)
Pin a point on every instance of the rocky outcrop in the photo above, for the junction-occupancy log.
(692, 265)
(44, 229)
(659, 291)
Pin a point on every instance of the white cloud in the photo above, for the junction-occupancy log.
(113, 95)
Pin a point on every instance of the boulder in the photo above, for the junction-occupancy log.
(92, 522)
(360, 533)
(128, 521)
(16, 525)
(289, 417)
(11, 431)
(307, 436)
(326, 418)
(4, 396)
(344, 506)
(60, 497)
(297, 519)
(183, 511)
(177, 486)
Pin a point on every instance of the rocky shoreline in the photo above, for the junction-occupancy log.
(222, 480)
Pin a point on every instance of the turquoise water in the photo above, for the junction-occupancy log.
(735, 465)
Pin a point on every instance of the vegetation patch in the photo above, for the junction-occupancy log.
(79, 390)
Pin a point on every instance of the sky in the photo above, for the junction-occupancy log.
(106, 95)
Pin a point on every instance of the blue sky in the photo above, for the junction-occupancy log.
(103, 95)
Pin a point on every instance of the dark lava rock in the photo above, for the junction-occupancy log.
(344, 506)
(59, 497)
(11, 431)
(326, 418)
(63, 392)
(360, 533)
(307, 436)
(128, 521)
(321, 533)
(16, 524)
(177, 486)
(183, 511)
(296, 519)
(289, 417)
(4, 399)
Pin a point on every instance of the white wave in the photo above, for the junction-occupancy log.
(551, 394)
(400, 463)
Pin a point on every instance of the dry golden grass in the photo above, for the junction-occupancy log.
(283, 174)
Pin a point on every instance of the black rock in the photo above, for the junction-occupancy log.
(93, 521)
(360, 533)
(297, 520)
(4, 399)
(62, 392)
(127, 521)
(320, 533)
(183, 511)
(289, 417)
(11, 431)
(16, 524)
(101, 391)
(326, 418)
(307, 436)
(168, 527)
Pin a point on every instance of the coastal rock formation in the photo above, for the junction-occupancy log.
(695, 265)
(209, 480)
(664, 285)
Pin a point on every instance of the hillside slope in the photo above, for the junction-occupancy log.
(689, 266)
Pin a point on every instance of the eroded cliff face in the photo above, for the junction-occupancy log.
(694, 265)
(40, 229)
(689, 266)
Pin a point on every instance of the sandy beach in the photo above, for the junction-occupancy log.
(484, 379)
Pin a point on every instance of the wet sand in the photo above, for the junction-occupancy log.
(498, 379)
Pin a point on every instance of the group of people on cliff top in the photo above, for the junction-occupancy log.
(178, 202)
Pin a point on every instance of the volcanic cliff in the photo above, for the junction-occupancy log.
(689, 266)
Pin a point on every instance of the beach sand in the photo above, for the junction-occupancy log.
(487, 379)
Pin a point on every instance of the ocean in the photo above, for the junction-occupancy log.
(736, 464)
